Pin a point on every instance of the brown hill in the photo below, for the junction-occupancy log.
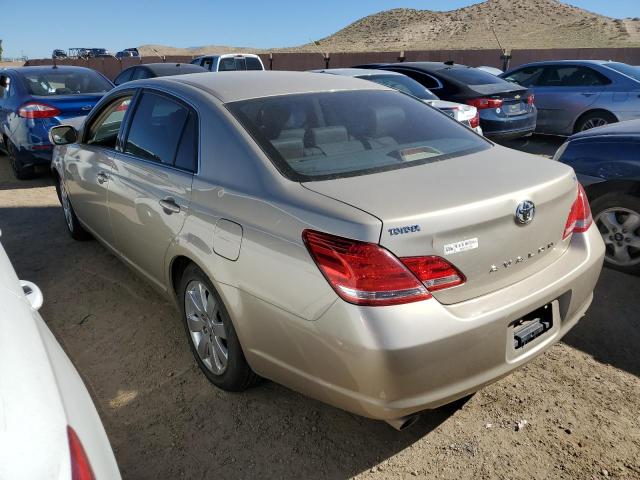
(517, 23)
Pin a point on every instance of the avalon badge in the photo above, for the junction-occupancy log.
(525, 211)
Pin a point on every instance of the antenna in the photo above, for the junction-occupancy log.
(505, 55)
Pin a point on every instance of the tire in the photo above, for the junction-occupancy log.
(593, 120)
(211, 334)
(76, 230)
(617, 216)
(19, 171)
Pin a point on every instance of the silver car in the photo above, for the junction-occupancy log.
(332, 234)
(576, 95)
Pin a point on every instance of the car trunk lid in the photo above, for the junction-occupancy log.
(70, 105)
(463, 209)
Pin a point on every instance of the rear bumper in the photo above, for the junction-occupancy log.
(388, 362)
(508, 127)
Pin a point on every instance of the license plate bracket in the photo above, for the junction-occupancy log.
(532, 326)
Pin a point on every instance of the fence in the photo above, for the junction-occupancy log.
(111, 67)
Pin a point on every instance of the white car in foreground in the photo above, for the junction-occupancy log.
(49, 427)
(465, 114)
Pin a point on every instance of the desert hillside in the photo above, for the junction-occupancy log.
(518, 24)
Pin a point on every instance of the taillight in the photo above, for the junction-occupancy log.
(80, 467)
(530, 99)
(475, 121)
(435, 273)
(37, 110)
(580, 218)
(482, 103)
(367, 274)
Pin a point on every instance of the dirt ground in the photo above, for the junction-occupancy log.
(580, 400)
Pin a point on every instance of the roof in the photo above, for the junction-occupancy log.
(227, 55)
(554, 62)
(429, 66)
(167, 68)
(43, 68)
(356, 72)
(243, 85)
(629, 128)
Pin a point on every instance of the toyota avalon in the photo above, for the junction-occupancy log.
(332, 234)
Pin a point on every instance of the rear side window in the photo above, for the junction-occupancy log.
(140, 73)
(103, 129)
(187, 155)
(470, 76)
(633, 72)
(318, 136)
(157, 127)
(124, 76)
(572, 76)
(227, 64)
(527, 77)
(253, 63)
(424, 79)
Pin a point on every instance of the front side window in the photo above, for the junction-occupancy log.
(103, 129)
(157, 127)
(572, 76)
(527, 77)
(64, 82)
(319, 136)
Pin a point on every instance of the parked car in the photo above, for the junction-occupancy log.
(465, 114)
(98, 52)
(153, 70)
(45, 406)
(506, 110)
(229, 62)
(33, 99)
(332, 234)
(125, 54)
(58, 54)
(607, 163)
(134, 50)
(576, 95)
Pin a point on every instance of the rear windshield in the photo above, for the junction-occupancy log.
(471, 76)
(633, 72)
(52, 82)
(403, 84)
(319, 136)
(253, 64)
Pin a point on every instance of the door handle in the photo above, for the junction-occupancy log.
(102, 177)
(169, 205)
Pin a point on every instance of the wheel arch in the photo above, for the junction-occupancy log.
(589, 112)
(597, 190)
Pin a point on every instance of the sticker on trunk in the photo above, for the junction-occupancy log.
(461, 246)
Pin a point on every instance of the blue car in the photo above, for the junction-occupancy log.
(576, 95)
(506, 109)
(607, 163)
(34, 99)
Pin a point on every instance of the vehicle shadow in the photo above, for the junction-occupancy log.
(130, 348)
(610, 331)
(545, 145)
(9, 182)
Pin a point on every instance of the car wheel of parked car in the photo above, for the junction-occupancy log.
(593, 120)
(76, 230)
(617, 216)
(19, 171)
(211, 334)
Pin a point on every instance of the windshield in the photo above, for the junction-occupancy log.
(633, 72)
(318, 136)
(403, 84)
(470, 76)
(51, 82)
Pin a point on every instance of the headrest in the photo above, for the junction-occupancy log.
(385, 120)
(289, 148)
(322, 135)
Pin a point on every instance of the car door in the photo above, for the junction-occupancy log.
(564, 92)
(8, 105)
(88, 166)
(150, 191)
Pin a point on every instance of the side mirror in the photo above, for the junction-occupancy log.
(63, 135)
(32, 293)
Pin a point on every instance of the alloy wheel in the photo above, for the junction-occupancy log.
(206, 326)
(66, 206)
(620, 229)
(594, 122)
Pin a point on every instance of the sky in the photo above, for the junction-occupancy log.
(35, 27)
